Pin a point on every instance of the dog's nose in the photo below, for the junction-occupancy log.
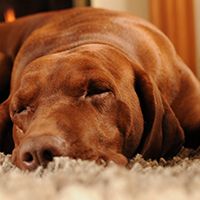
(39, 151)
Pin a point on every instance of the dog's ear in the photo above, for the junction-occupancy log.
(6, 140)
(162, 134)
(173, 134)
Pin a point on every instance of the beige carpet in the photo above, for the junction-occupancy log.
(175, 179)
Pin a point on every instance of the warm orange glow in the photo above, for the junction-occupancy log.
(9, 15)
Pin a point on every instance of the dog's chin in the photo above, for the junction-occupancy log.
(14, 159)
(121, 160)
(117, 158)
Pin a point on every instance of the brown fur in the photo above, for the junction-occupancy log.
(93, 84)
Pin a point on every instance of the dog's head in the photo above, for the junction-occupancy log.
(90, 103)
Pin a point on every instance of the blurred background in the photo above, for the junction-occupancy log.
(178, 19)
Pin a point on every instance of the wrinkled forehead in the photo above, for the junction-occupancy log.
(78, 66)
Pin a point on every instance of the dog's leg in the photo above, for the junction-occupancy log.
(12, 35)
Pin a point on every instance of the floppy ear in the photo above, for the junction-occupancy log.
(6, 140)
(162, 135)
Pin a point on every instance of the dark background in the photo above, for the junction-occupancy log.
(27, 7)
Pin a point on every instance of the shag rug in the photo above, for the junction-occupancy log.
(175, 179)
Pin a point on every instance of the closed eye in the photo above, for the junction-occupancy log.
(96, 90)
(20, 110)
(23, 110)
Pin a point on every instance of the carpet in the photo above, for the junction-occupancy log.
(65, 178)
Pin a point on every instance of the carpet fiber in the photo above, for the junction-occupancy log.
(178, 178)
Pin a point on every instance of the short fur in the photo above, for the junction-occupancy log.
(93, 84)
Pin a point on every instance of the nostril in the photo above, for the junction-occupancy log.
(28, 157)
(39, 151)
(47, 155)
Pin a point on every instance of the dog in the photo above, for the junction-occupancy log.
(93, 84)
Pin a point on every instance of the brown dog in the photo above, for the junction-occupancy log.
(93, 84)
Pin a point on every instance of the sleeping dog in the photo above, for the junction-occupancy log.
(93, 84)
